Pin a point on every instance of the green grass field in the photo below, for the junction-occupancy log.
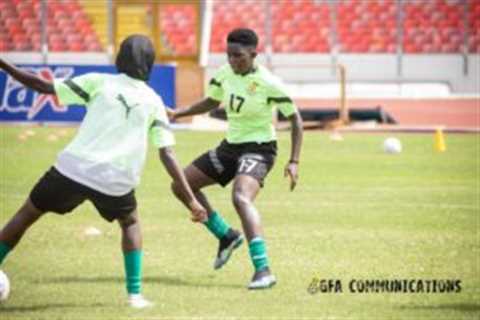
(357, 214)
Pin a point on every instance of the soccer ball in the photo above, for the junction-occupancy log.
(392, 145)
(4, 286)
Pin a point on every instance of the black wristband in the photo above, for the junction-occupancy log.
(293, 161)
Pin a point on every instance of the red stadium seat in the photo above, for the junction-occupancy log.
(22, 46)
(20, 20)
(76, 46)
(5, 46)
(362, 26)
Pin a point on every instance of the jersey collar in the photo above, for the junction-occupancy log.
(135, 82)
(252, 71)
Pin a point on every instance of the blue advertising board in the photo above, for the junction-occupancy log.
(18, 103)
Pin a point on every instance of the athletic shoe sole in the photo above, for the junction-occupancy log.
(263, 283)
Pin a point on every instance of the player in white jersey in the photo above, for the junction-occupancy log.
(104, 161)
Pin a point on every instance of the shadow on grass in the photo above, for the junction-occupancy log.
(164, 280)
(464, 307)
(41, 307)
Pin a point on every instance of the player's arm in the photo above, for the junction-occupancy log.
(200, 107)
(212, 100)
(28, 79)
(280, 96)
(167, 156)
(291, 168)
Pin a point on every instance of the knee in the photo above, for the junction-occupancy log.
(127, 221)
(240, 200)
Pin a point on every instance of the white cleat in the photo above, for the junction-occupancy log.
(137, 301)
(263, 282)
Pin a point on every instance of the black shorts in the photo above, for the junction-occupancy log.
(56, 193)
(228, 160)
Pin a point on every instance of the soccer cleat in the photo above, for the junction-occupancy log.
(137, 301)
(231, 241)
(262, 280)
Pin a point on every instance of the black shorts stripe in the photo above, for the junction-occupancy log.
(279, 100)
(79, 91)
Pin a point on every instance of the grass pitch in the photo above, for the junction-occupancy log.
(357, 213)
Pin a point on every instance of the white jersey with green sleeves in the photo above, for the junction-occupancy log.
(109, 150)
(250, 101)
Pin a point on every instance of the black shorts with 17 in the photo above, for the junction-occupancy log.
(56, 193)
(226, 161)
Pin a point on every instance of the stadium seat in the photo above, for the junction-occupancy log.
(433, 26)
(473, 26)
(438, 22)
(20, 19)
(178, 25)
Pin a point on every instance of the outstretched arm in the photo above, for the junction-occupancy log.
(202, 106)
(28, 79)
(291, 169)
(167, 156)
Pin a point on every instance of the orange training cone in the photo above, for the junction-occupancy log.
(440, 145)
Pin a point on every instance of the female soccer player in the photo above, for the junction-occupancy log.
(104, 161)
(249, 93)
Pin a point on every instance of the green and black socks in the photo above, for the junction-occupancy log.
(4, 250)
(216, 225)
(258, 253)
(133, 270)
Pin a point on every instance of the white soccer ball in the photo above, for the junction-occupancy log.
(4, 286)
(392, 145)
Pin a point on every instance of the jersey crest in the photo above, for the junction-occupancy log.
(252, 88)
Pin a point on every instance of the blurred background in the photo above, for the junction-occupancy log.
(414, 63)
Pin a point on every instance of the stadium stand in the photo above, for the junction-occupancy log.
(473, 26)
(97, 16)
(433, 26)
(309, 26)
(367, 26)
(178, 23)
(20, 26)
(230, 14)
(301, 26)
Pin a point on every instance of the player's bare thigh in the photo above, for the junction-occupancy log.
(196, 178)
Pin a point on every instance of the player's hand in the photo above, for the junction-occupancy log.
(291, 171)
(199, 214)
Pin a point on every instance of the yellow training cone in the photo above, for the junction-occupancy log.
(440, 145)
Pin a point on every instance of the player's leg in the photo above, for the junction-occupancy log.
(133, 259)
(245, 190)
(13, 231)
(124, 210)
(253, 167)
(197, 180)
(52, 193)
(200, 174)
